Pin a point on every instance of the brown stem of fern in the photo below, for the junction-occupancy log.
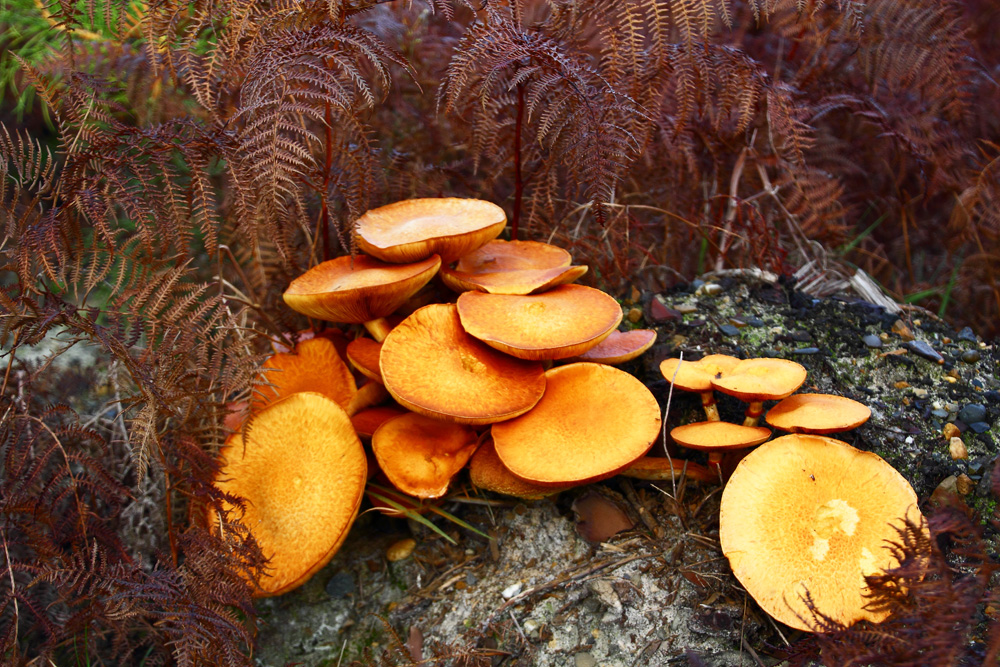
(518, 180)
(325, 214)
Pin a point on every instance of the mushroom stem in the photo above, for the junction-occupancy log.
(753, 413)
(711, 408)
(379, 329)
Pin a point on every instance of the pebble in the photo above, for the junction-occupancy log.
(993, 395)
(900, 329)
(920, 348)
(657, 311)
(806, 350)
(340, 585)
(950, 431)
(940, 413)
(400, 550)
(634, 314)
(967, 335)
(584, 660)
(800, 337)
(872, 341)
(979, 427)
(729, 330)
(686, 308)
(512, 590)
(711, 289)
(755, 321)
(964, 484)
(973, 412)
(971, 356)
(919, 393)
(957, 449)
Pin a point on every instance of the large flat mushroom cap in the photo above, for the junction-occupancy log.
(719, 435)
(761, 379)
(512, 267)
(357, 289)
(302, 472)
(810, 513)
(432, 366)
(697, 375)
(413, 229)
(500, 255)
(563, 322)
(593, 421)
(817, 413)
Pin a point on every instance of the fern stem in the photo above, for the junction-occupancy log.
(518, 180)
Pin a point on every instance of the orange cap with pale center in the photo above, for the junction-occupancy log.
(593, 421)
(563, 322)
(302, 472)
(809, 514)
(413, 229)
(432, 366)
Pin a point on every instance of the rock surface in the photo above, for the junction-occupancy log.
(661, 593)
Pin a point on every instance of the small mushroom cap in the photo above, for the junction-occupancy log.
(655, 468)
(719, 435)
(806, 513)
(367, 421)
(512, 267)
(817, 413)
(564, 322)
(432, 366)
(420, 455)
(357, 289)
(525, 281)
(314, 366)
(761, 379)
(697, 375)
(301, 470)
(620, 346)
(363, 353)
(593, 421)
(488, 472)
(413, 229)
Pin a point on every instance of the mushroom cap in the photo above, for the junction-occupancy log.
(413, 229)
(593, 421)
(488, 472)
(420, 455)
(761, 379)
(712, 435)
(368, 420)
(357, 289)
(817, 413)
(301, 470)
(521, 282)
(512, 267)
(564, 322)
(432, 366)
(363, 353)
(654, 468)
(806, 513)
(620, 346)
(697, 375)
(314, 366)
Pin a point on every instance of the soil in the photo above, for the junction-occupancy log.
(660, 593)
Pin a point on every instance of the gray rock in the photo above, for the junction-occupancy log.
(974, 412)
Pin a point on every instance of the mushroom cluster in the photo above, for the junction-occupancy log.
(804, 518)
(437, 382)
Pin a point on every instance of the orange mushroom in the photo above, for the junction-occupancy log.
(698, 375)
(432, 366)
(413, 229)
(593, 421)
(488, 472)
(806, 515)
(358, 290)
(759, 380)
(301, 470)
(512, 267)
(564, 322)
(817, 413)
(420, 455)
(363, 353)
(716, 437)
(656, 468)
(620, 347)
(315, 366)
(366, 421)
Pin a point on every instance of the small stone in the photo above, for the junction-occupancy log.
(657, 311)
(800, 336)
(939, 413)
(755, 322)
(964, 484)
(340, 585)
(949, 379)
(884, 337)
(957, 449)
(729, 330)
(872, 341)
(900, 329)
(967, 335)
(979, 427)
(947, 487)
(919, 392)
(512, 590)
(973, 412)
(920, 348)
(634, 295)
(584, 660)
(697, 283)
(950, 431)
(951, 407)
(400, 550)
(737, 322)
(709, 289)
(531, 625)
(634, 315)
(993, 395)
(686, 308)
(971, 356)
(902, 384)
(806, 350)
